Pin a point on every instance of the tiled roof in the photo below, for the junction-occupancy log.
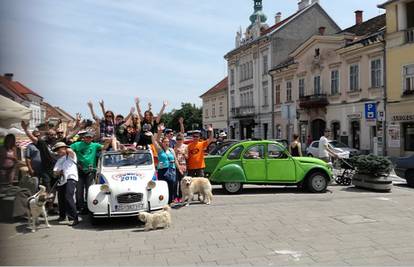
(289, 61)
(368, 27)
(17, 87)
(221, 86)
(56, 112)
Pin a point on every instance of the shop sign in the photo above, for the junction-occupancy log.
(354, 116)
(394, 136)
(408, 117)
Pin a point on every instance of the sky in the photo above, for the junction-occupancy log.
(74, 51)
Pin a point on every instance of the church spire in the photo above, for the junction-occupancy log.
(258, 12)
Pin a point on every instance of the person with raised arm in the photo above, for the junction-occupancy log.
(195, 162)
(148, 117)
(167, 163)
(106, 126)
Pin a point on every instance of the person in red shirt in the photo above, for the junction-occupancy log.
(195, 162)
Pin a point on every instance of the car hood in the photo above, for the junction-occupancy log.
(311, 160)
(131, 178)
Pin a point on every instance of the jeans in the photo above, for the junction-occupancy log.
(179, 177)
(66, 194)
(85, 180)
(172, 186)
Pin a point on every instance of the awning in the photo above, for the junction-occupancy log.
(12, 112)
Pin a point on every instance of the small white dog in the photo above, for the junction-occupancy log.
(159, 219)
(36, 207)
(196, 185)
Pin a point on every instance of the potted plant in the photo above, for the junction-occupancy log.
(372, 172)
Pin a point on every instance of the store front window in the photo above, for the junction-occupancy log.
(409, 136)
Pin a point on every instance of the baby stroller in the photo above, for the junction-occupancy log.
(343, 171)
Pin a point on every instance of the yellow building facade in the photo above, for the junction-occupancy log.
(399, 76)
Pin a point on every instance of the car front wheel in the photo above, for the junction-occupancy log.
(317, 182)
(310, 155)
(233, 187)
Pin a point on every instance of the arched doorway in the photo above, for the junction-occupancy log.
(317, 128)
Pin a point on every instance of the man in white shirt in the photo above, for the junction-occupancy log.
(325, 149)
(66, 169)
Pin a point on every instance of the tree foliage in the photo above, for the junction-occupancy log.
(192, 117)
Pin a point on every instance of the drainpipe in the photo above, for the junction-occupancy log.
(384, 140)
(273, 105)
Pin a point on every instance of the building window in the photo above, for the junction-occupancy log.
(408, 136)
(277, 95)
(354, 78)
(206, 113)
(317, 85)
(251, 69)
(265, 94)
(232, 101)
(334, 82)
(376, 73)
(301, 87)
(288, 91)
(221, 110)
(265, 65)
(408, 79)
(232, 77)
(213, 111)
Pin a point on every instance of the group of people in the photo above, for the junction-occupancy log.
(66, 162)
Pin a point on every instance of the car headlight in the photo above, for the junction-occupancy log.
(151, 185)
(105, 188)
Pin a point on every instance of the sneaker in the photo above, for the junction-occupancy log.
(61, 219)
(64, 222)
(73, 223)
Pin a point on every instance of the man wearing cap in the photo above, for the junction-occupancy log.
(195, 162)
(86, 152)
(67, 171)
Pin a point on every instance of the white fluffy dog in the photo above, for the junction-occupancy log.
(196, 185)
(159, 219)
(36, 207)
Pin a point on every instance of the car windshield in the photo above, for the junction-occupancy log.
(338, 144)
(127, 159)
(221, 149)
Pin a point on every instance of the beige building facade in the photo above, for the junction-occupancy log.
(400, 76)
(335, 82)
(215, 108)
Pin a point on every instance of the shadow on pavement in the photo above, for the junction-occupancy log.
(108, 223)
(262, 190)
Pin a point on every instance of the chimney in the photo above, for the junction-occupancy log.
(8, 76)
(358, 17)
(278, 17)
(322, 30)
(303, 4)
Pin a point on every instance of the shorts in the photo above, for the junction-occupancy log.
(196, 173)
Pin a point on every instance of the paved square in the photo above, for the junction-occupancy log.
(265, 226)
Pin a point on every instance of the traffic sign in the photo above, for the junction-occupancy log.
(370, 111)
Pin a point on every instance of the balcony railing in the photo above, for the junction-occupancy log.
(409, 35)
(313, 101)
(245, 111)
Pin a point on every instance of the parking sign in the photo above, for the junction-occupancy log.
(370, 111)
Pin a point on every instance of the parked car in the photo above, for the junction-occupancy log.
(265, 162)
(404, 168)
(339, 147)
(126, 185)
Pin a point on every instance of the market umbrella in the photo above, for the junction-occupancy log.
(12, 112)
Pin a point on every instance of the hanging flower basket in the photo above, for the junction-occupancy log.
(372, 172)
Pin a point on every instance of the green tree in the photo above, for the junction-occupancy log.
(192, 117)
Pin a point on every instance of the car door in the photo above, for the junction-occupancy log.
(254, 163)
(280, 166)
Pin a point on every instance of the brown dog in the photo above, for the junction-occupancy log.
(196, 185)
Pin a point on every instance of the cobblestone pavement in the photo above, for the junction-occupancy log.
(266, 226)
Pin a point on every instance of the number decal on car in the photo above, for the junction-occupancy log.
(125, 177)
